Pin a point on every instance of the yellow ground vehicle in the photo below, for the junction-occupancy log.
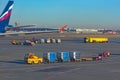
(15, 42)
(95, 40)
(32, 59)
(87, 59)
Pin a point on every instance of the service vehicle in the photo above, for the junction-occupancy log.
(32, 59)
(29, 42)
(16, 42)
(95, 40)
(61, 57)
(106, 54)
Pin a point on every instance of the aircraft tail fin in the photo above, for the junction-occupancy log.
(62, 28)
(5, 16)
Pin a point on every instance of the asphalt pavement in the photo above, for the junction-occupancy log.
(12, 66)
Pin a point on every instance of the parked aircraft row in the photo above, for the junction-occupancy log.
(5, 27)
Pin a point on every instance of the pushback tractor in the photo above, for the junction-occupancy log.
(30, 58)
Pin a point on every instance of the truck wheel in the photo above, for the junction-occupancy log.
(94, 41)
(32, 62)
(39, 62)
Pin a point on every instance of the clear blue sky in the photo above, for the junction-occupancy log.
(74, 13)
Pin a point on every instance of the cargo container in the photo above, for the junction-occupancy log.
(58, 40)
(48, 40)
(42, 40)
(75, 56)
(50, 57)
(53, 40)
(95, 40)
(63, 57)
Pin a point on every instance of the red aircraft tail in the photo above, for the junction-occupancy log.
(62, 28)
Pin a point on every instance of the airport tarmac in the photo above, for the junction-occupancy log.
(12, 66)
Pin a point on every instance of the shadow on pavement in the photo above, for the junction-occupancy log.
(14, 62)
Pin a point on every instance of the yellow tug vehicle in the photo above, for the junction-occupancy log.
(30, 58)
(16, 42)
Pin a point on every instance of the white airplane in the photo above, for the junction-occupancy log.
(4, 23)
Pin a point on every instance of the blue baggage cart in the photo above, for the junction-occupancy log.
(50, 57)
(74, 56)
(63, 57)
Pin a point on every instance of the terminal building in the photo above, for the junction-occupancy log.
(92, 31)
(89, 31)
(83, 31)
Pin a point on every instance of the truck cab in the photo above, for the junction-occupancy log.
(30, 58)
(16, 42)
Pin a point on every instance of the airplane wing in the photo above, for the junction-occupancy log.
(13, 31)
(24, 26)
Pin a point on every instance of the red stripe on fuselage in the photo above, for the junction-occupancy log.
(6, 16)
